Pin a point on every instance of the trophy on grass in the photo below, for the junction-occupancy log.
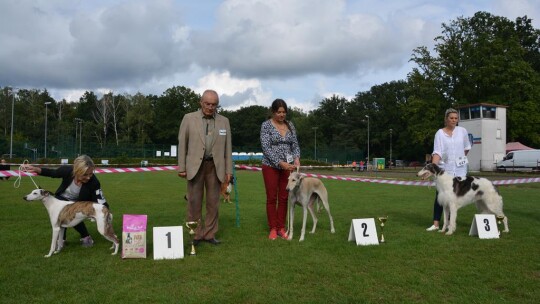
(500, 221)
(383, 220)
(192, 226)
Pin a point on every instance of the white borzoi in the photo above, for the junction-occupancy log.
(456, 192)
(304, 190)
(68, 214)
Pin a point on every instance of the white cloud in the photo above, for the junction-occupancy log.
(250, 51)
(234, 92)
(286, 39)
(68, 95)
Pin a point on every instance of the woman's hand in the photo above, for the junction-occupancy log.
(287, 166)
(32, 169)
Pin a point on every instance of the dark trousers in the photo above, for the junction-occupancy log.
(275, 182)
(81, 229)
(437, 209)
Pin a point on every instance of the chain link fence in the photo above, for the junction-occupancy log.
(70, 149)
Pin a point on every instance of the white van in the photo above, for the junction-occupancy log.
(519, 160)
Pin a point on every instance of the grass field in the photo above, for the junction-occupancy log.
(414, 266)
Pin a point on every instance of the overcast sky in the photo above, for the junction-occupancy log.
(250, 51)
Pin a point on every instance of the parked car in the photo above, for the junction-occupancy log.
(520, 160)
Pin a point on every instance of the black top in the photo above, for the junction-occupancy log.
(90, 191)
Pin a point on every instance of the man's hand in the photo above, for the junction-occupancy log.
(182, 174)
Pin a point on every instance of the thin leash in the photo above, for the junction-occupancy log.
(17, 182)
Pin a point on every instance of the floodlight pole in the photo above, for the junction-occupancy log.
(46, 110)
(12, 118)
(390, 149)
(76, 134)
(367, 116)
(79, 121)
(315, 128)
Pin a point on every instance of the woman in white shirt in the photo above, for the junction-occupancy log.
(450, 150)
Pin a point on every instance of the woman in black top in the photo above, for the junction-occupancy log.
(78, 184)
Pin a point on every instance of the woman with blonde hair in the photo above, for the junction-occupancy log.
(450, 149)
(78, 184)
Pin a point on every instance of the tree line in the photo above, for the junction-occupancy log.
(478, 59)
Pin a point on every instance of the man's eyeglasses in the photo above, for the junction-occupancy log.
(210, 105)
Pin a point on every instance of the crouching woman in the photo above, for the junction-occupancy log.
(78, 184)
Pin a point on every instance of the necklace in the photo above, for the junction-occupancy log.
(281, 126)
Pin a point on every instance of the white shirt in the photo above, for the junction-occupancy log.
(450, 148)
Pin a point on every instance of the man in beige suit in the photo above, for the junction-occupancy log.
(205, 159)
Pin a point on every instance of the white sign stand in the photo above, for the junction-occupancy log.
(364, 232)
(168, 242)
(484, 226)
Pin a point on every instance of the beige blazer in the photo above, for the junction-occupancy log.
(191, 140)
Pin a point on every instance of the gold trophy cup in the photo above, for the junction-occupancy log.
(192, 226)
(383, 220)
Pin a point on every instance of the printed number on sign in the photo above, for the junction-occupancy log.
(365, 227)
(168, 239)
(363, 231)
(486, 221)
(168, 242)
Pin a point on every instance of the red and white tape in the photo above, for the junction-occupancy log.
(9, 173)
(398, 182)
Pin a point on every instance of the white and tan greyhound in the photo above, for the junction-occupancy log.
(68, 214)
(305, 190)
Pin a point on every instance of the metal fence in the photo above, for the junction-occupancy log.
(71, 149)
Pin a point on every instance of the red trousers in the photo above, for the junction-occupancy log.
(275, 182)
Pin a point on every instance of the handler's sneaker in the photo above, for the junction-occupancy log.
(432, 228)
(273, 234)
(87, 241)
(283, 233)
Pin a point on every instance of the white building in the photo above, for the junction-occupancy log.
(486, 124)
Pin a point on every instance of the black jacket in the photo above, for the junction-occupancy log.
(90, 191)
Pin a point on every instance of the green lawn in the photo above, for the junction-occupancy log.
(414, 266)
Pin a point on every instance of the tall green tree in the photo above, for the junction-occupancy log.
(246, 126)
(139, 119)
(169, 110)
(329, 119)
(488, 59)
(384, 105)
